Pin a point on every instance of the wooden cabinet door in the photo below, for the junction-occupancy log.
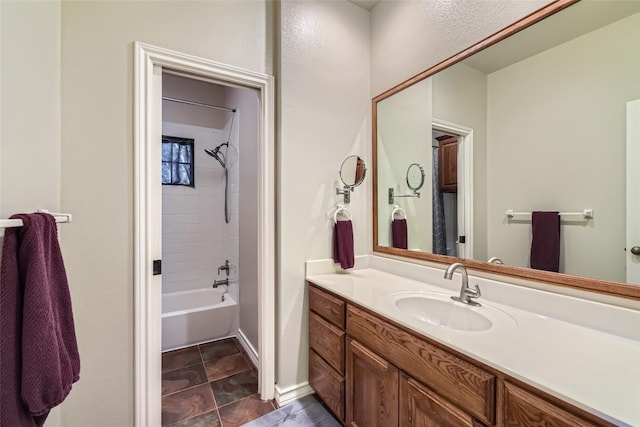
(522, 408)
(421, 407)
(372, 389)
(448, 164)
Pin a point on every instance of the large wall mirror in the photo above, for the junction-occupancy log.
(542, 116)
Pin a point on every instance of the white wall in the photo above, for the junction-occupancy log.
(248, 109)
(324, 117)
(569, 137)
(195, 238)
(97, 168)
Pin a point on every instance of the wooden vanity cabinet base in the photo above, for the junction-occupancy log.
(327, 383)
(373, 372)
(522, 408)
(420, 406)
(372, 389)
(457, 380)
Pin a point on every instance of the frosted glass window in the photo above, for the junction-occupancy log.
(177, 161)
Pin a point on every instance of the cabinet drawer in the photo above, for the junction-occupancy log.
(420, 406)
(328, 384)
(472, 388)
(327, 306)
(523, 408)
(327, 341)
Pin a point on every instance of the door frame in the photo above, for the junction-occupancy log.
(465, 182)
(633, 199)
(147, 291)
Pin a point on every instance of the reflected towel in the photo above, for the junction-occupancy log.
(343, 244)
(38, 345)
(399, 233)
(545, 245)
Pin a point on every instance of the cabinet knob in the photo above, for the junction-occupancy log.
(635, 250)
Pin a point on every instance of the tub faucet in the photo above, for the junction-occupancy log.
(223, 282)
(224, 267)
(466, 293)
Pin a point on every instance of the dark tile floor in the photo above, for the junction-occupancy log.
(210, 385)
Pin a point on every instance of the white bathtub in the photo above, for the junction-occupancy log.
(196, 316)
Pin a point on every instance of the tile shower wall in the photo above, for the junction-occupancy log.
(195, 238)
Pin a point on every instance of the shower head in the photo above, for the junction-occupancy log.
(216, 154)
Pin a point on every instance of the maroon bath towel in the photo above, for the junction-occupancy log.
(343, 244)
(399, 233)
(38, 350)
(545, 246)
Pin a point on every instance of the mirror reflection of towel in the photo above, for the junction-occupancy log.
(545, 245)
(399, 233)
(343, 244)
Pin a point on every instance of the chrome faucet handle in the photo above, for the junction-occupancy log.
(473, 293)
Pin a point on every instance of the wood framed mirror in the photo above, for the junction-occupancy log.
(562, 91)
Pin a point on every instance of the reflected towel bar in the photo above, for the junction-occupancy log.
(586, 213)
(60, 218)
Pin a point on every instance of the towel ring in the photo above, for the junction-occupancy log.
(397, 209)
(341, 208)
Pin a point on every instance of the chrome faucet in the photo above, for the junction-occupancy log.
(466, 293)
(224, 267)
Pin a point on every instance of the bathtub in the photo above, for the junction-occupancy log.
(196, 316)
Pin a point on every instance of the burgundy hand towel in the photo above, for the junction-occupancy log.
(343, 244)
(399, 233)
(38, 348)
(545, 246)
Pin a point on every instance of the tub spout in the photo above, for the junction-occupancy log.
(223, 282)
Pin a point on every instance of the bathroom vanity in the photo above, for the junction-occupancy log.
(390, 350)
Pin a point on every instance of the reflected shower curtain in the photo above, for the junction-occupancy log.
(439, 243)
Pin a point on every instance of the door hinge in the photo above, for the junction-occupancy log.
(157, 267)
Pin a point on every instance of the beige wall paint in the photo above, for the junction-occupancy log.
(30, 112)
(30, 106)
(408, 37)
(97, 168)
(324, 117)
(564, 149)
(404, 136)
(460, 97)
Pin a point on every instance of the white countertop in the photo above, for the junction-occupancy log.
(592, 368)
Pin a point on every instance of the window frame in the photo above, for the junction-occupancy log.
(181, 142)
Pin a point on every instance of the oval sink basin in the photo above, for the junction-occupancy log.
(443, 313)
(440, 310)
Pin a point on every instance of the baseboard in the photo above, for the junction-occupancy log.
(289, 394)
(248, 348)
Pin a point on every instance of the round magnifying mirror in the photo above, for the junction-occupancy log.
(352, 171)
(415, 176)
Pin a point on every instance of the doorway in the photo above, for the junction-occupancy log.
(459, 208)
(150, 63)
